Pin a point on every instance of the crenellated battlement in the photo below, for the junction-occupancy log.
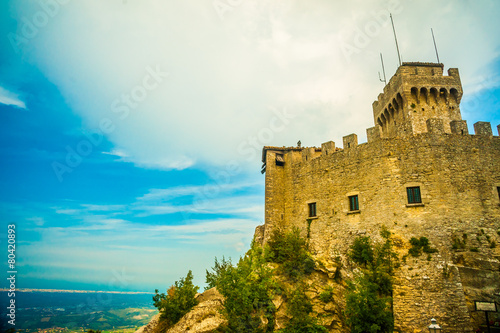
(305, 155)
(418, 92)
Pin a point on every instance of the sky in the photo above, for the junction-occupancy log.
(131, 130)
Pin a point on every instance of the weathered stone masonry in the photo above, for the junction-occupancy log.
(420, 142)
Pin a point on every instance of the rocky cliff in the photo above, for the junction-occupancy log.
(203, 318)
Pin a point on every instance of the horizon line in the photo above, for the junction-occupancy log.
(77, 291)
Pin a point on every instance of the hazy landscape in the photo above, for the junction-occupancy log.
(66, 311)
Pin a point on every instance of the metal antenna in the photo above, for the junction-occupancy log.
(383, 70)
(435, 47)
(396, 39)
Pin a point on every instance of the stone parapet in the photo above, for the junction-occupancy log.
(459, 127)
(350, 141)
(483, 128)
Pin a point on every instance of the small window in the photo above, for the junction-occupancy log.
(414, 195)
(353, 203)
(280, 161)
(312, 209)
(498, 190)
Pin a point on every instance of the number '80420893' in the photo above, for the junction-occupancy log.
(12, 243)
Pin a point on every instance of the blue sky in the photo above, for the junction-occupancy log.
(131, 131)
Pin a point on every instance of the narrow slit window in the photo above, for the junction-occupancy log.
(498, 190)
(312, 209)
(414, 195)
(353, 203)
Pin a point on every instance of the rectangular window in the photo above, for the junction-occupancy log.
(498, 190)
(353, 203)
(414, 195)
(312, 209)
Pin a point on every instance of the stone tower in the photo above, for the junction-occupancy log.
(421, 174)
(416, 93)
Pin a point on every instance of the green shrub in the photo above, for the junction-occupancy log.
(326, 295)
(473, 249)
(290, 250)
(217, 271)
(365, 310)
(180, 298)
(361, 250)
(420, 244)
(248, 290)
(368, 307)
(299, 308)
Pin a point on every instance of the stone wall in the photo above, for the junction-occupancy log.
(458, 176)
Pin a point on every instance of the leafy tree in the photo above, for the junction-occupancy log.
(217, 271)
(290, 250)
(366, 312)
(248, 290)
(368, 301)
(178, 301)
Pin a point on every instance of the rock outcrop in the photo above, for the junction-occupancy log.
(203, 318)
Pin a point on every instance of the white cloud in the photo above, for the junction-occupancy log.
(104, 208)
(9, 98)
(225, 74)
(117, 152)
(207, 190)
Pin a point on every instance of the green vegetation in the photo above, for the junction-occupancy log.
(76, 320)
(280, 269)
(248, 289)
(326, 295)
(180, 298)
(366, 311)
(361, 251)
(369, 301)
(217, 271)
(290, 250)
(420, 244)
(299, 309)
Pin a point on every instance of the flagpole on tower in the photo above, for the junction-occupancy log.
(435, 47)
(396, 39)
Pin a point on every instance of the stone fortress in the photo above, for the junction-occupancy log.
(421, 173)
